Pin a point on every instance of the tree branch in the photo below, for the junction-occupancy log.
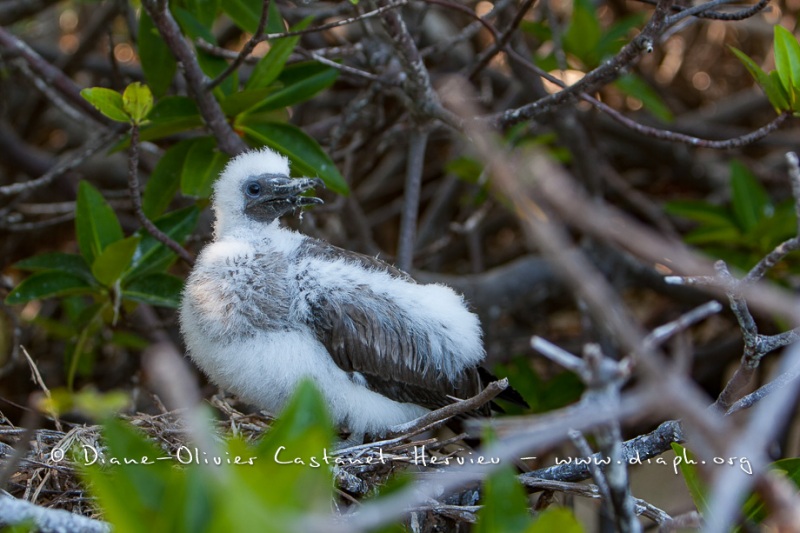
(196, 80)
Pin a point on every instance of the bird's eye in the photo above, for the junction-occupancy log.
(253, 189)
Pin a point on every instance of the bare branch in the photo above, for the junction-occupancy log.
(212, 114)
(136, 198)
(246, 49)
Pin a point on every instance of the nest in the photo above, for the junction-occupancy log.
(44, 475)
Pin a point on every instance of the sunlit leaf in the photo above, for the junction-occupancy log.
(114, 260)
(769, 83)
(137, 101)
(107, 101)
(787, 62)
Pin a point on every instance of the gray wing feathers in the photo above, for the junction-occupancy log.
(367, 332)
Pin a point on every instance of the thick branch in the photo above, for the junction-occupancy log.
(196, 80)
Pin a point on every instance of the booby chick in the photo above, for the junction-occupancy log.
(265, 307)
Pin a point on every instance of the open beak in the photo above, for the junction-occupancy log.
(298, 186)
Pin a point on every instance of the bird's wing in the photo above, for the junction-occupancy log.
(397, 355)
(330, 252)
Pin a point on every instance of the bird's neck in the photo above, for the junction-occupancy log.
(246, 229)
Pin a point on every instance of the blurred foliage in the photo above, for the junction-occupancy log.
(782, 85)
(541, 394)
(114, 271)
(753, 507)
(267, 486)
(744, 231)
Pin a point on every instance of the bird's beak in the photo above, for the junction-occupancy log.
(296, 187)
(289, 191)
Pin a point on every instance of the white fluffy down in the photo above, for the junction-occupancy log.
(265, 366)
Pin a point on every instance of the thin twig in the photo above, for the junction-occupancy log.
(665, 331)
(501, 41)
(449, 411)
(246, 49)
(50, 75)
(136, 198)
(65, 163)
(705, 11)
(673, 136)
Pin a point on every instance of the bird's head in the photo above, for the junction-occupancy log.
(255, 188)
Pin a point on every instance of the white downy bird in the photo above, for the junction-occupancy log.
(265, 307)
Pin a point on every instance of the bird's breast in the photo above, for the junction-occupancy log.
(239, 295)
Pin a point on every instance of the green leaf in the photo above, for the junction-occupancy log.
(213, 66)
(107, 101)
(205, 11)
(155, 289)
(134, 497)
(165, 179)
(270, 66)
(299, 438)
(776, 94)
(306, 155)
(137, 101)
(246, 14)
(787, 62)
(202, 166)
(152, 255)
(114, 260)
(750, 200)
(505, 506)
(241, 101)
(48, 285)
(769, 83)
(691, 476)
(583, 34)
(636, 87)
(466, 168)
(700, 211)
(558, 519)
(171, 115)
(615, 38)
(96, 224)
(71, 263)
(300, 82)
(714, 234)
(158, 63)
(192, 26)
